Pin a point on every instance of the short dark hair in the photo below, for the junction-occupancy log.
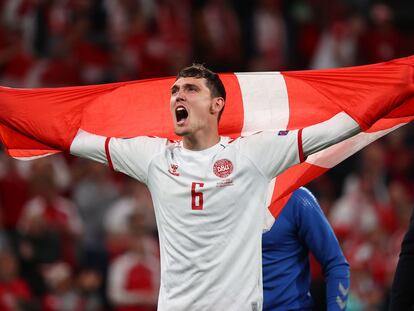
(213, 81)
(198, 71)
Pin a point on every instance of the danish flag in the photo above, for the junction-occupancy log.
(380, 97)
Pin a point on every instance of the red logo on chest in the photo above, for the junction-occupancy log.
(223, 168)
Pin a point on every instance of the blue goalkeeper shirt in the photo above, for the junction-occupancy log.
(302, 228)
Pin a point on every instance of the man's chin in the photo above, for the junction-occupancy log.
(180, 132)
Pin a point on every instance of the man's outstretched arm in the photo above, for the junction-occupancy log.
(130, 156)
(275, 151)
(312, 225)
(322, 135)
(89, 146)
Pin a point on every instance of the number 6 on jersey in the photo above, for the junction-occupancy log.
(196, 197)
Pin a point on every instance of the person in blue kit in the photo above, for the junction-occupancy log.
(300, 229)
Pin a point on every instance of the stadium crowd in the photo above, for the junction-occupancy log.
(76, 236)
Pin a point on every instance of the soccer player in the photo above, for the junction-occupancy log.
(300, 229)
(402, 293)
(209, 192)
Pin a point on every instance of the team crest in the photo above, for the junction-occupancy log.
(223, 168)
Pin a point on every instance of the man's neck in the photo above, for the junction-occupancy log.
(197, 144)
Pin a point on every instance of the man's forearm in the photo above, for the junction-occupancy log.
(337, 288)
(328, 133)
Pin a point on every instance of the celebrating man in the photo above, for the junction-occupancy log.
(210, 192)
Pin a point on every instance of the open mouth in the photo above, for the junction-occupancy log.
(181, 114)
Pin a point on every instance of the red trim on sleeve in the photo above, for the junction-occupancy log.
(108, 154)
(300, 147)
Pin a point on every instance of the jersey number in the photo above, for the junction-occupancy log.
(196, 197)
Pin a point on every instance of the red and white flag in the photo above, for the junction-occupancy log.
(380, 97)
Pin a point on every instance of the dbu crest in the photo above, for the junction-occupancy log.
(223, 168)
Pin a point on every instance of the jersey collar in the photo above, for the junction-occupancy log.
(224, 141)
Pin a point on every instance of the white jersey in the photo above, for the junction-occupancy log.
(210, 207)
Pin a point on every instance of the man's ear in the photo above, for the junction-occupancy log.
(217, 105)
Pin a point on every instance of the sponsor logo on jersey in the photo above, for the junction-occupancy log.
(173, 170)
(283, 133)
(223, 168)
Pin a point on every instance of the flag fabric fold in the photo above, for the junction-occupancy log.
(380, 97)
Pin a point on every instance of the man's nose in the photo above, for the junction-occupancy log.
(180, 96)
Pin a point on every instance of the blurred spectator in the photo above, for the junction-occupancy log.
(16, 62)
(56, 164)
(383, 41)
(338, 45)
(66, 293)
(135, 198)
(60, 295)
(50, 210)
(90, 53)
(365, 194)
(399, 158)
(93, 193)
(270, 38)
(305, 32)
(13, 193)
(175, 28)
(122, 16)
(89, 283)
(14, 292)
(218, 36)
(128, 30)
(141, 36)
(364, 294)
(49, 226)
(38, 246)
(48, 72)
(134, 276)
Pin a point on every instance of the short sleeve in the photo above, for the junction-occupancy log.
(133, 156)
(272, 152)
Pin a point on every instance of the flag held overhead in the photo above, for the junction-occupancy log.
(380, 97)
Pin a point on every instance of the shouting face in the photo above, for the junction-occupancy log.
(194, 110)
